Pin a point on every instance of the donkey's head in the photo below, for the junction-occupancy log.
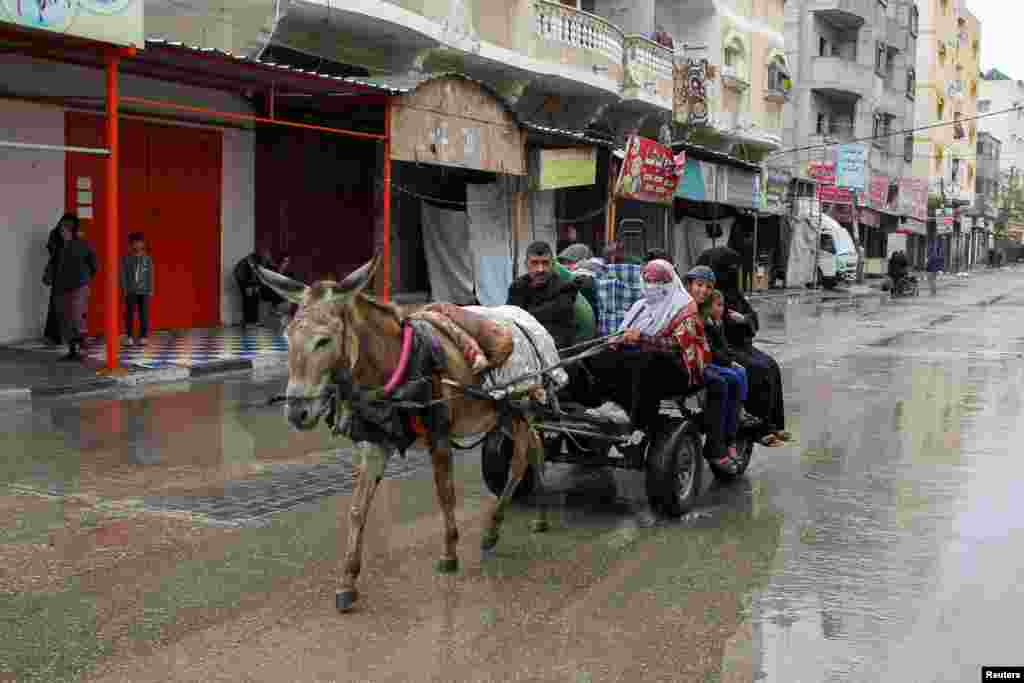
(323, 338)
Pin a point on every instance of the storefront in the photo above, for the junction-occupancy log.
(459, 191)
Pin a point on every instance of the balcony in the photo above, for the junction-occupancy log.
(844, 78)
(648, 71)
(846, 13)
(578, 39)
(734, 78)
(897, 35)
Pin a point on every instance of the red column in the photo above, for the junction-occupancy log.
(386, 287)
(112, 265)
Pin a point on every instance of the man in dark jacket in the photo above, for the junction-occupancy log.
(544, 296)
(53, 247)
(75, 269)
(936, 262)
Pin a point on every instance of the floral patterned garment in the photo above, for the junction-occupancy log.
(685, 336)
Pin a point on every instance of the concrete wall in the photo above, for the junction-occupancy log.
(238, 216)
(32, 196)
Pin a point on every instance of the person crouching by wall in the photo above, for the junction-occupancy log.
(76, 267)
(137, 285)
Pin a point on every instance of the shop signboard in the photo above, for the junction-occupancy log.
(777, 183)
(119, 22)
(913, 201)
(878, 192)
(648, 173)
(702, 181)
(851, 166)
(570, 167)
(824, 172)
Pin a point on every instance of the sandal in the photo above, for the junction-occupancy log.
(772, 441)
(783, 435)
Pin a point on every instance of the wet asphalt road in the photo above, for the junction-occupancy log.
(183, 533)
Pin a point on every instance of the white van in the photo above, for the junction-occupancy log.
(847, 257)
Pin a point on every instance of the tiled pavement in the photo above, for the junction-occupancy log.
(187, 348)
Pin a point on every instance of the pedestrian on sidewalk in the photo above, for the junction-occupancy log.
(75, 269)
(936, 260)
(249, 286)
(137, 285)
(54, 244)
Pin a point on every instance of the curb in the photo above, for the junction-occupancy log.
(144, 377)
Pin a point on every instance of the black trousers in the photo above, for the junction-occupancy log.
(764, 396)
(53, 320)
(139, 302)
(638, 381)
(251, 307)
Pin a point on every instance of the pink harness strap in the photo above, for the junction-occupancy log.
(398, 376)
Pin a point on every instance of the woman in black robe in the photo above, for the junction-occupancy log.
(54, 244)
(764, 399)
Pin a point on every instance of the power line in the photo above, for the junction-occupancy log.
(455, 204)
(904, 132)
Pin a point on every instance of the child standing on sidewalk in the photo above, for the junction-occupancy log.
(137, 285)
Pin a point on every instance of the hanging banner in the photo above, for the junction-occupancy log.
(119, 22)
(914, 198)
(851, 166)
(702, 181)
(776, 189)
(570, 167)
(648, 172)
(824, 172)
(878, 192)
(690, 79)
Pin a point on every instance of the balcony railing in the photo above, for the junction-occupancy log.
(734, 78)
(649, 66)
(579, 29)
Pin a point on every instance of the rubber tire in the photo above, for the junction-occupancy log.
(675, 444)
(828, 283)
(495, 460)
(745, 450)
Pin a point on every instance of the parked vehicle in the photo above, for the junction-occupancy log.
(847, 258)
(828, 269)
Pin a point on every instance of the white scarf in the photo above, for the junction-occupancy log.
(660, 304)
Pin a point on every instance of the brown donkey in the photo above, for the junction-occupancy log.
(339, 330)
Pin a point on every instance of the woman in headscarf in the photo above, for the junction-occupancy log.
(666, 352)
(765, 399)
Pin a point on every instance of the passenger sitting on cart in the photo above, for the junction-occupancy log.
(666, 353)
(723, 361)
(545, 296)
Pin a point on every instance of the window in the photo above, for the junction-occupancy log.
(939, 154)
(984, 106)
(822, 123)
(734, 53)
(880, 58)
(911, 82)
(822, 47)
(778, 78)
(915, 19)
(955, 172)
(973, 90)
(976, 47)
(942, 53)
(958, 128)
(972, 135)
(908, 149)
(945, 6)
(940, 107)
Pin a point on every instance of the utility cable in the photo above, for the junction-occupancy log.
(466, 205)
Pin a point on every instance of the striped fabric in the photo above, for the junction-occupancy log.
(620, 288)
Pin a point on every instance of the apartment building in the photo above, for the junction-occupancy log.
(999, 92)
(854, 71)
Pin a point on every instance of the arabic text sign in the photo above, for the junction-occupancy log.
(914, 198)
(648, 172)
(567, 168)
(119, 22)
(825, 173)
(851, 166)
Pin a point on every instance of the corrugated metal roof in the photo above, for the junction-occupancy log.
(392, 85)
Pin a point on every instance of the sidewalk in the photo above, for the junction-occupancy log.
(35, 369)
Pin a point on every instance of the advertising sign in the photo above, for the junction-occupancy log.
(878, 192)
(571, 167)
(109, 21)
(776, 189)
(851, 166)
(825, 173)
(648, 174)
(914, 198)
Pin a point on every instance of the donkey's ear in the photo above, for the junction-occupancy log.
(359, 279)
(289, 289)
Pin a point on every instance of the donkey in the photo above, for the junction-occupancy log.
(339, 330)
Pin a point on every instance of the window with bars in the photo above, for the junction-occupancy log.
(911, 82)
(908, 149)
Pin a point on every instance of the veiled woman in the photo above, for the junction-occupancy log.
(765, 399)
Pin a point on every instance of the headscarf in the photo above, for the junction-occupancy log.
(593, 266)
(664, 297)
(701, 273)
(574, 253)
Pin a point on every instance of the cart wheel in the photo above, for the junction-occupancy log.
(495, 460)
(745, 450)
(674, 470)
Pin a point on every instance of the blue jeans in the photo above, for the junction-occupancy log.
(736, 393)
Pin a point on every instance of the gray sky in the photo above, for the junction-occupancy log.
(1002, 30)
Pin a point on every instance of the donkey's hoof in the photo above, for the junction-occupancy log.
(346, 600)
(448, 565)
(539, 526)
(489, 541)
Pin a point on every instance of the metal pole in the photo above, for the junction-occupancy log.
(817, 247)
(113, 239)
(385, 290)
(753, 271)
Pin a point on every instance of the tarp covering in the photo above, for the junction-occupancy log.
(803, 242)
(490, 242)
(449, 257)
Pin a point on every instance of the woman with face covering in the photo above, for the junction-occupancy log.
(664, 351)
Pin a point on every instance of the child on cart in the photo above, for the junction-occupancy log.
(723, 362)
